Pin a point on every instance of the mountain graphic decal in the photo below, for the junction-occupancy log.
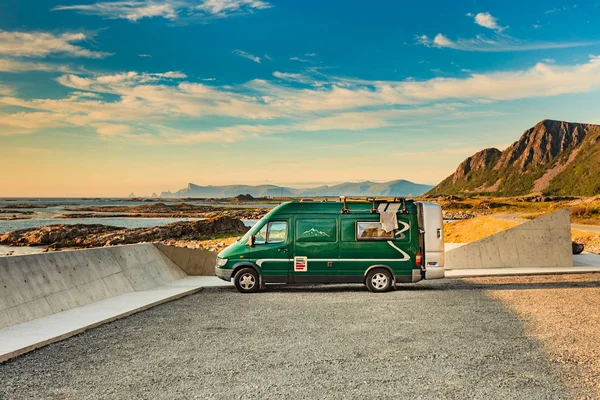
(314, 233)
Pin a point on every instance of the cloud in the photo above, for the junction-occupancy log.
(228, 7)
(144, 55)
(129, 10)
(442, 41)
(6, 91)
(247, 55)
(299, 59)
(41, 44)
(498, 43)
(423, 40)
(24, 123)
(135, 10)
(487, 20)
(17, 66)
(559, 9)
(150, 107)
(294, 77)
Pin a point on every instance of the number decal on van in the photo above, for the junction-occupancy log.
(300, 264)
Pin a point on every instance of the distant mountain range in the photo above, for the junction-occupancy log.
(552, 158)
(393, 188)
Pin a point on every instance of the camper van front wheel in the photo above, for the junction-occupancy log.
(379, 280)
(246, 281)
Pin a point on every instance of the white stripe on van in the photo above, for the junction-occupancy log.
(262, 260)
(406, 258)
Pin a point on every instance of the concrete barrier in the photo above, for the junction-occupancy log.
(542, 242)
(194, 262)
(38, 285)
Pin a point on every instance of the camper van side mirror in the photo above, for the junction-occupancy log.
(251, 240)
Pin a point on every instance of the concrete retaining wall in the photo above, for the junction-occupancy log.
(543, 242)
(35, 286)
(194, 262)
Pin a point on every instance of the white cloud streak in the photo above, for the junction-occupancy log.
(17, 66)
(487, 20)
(299, 59)
(247, 55)
(42, 44)
(499, 43)
(228, 7)
(135, 10)
(129, 10)
(150, 107)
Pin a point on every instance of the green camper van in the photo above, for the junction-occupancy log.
(374, 242)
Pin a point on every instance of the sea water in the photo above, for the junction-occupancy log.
(50, 208)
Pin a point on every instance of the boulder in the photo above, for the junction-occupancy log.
(577, 248)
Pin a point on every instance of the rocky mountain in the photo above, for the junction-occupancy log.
(393, 188)
(553, 157)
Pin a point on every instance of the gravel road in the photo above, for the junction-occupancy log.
(439, 339)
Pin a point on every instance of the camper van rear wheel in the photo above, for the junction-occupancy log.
(379, 280)
(246, 281)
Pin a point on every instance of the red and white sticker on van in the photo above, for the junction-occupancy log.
(300, 264)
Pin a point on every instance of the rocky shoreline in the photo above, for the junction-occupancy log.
(87, 236)
(162, 210)
(241, 214)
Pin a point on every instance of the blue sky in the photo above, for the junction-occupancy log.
(108, 97)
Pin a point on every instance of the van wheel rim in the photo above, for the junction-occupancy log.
(247, 281)
(379, 281)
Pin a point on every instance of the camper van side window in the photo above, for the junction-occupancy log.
(277, 231)
(372, 231)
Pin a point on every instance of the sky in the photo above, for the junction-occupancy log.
(108, 98)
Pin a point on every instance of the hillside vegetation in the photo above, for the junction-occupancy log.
(553, 158)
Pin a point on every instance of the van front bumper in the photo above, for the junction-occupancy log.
(224, 274)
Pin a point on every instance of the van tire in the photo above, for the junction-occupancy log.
(379, 280)
(246, 280)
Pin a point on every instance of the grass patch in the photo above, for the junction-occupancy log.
(474, 229)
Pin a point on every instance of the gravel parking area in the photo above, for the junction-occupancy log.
(438, 339)
(562, 313)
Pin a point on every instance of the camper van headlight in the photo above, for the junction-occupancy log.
(221, 262)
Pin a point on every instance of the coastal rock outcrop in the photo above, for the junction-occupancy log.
(84, 236)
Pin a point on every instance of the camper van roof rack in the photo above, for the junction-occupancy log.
(373, 201)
